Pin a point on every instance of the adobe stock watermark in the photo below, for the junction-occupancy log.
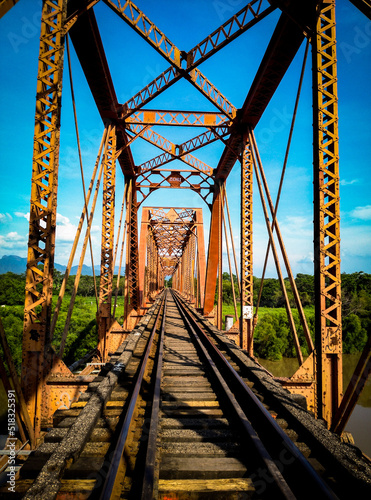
(11, 442)
(28, 28)
(278, 122)
(262, 477)
(224, 8)
(361, 40)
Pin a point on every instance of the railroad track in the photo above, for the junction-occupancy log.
(170, 418)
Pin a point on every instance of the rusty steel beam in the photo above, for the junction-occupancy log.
(283, 46)
(135, 18)
(201, 256)
(181, 179)
(170, 149)
(240, 22)
(88, 45)
(247, 295)
(168, 247)
(165, 158)
(107, 244)
(132, 303)
(364, 6)
(354, 390)
(213, 252)
(327, 274)
(5, 6)
(145, 28)
(142, 254)
(235, 26)
(176, 118)
(36, 363)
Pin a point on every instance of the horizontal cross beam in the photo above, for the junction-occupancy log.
(177, 118)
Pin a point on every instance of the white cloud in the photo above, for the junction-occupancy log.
(356, 241)
(65, 230)
(5, 217)
(298, 226)
(344, 182)
(362, 213)
(21, 214)
(12, 240)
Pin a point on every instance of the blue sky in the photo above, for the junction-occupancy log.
(133, 64)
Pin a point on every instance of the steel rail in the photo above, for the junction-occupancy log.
(269, 431)
(282, 487)
(150, 479)
(113, 472)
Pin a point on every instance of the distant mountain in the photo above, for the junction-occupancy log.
(17, 265)
(87, 270)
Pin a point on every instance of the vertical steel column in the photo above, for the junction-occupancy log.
(132, 264)
(326, 215)
(181, 275)
(147, 271)
(107, 245)
(246, 321)
(186, 270)
(152, 266)
(192, 271)
(213, 252)
(43, 210)
(142, 255)
(157, 271)
(201, 259)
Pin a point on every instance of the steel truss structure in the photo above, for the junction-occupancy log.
(172, 244)
(171, 240)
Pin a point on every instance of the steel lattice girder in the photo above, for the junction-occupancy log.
(281, 50)
(108, 224)
(172, 151)
(177, 118)
(327, 216)
(6, 5)
(171, 230)
(43, 210)
(236, 25)
(246, 330)
(167, 179)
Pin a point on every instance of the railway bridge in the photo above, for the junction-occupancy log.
(169, 405)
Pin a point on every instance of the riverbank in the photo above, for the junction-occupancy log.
(359, 422)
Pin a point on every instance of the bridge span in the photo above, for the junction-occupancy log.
(167, 405)
(179, 411)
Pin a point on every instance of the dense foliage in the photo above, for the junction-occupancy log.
(82, 334)
(272, 335)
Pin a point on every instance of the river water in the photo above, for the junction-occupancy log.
(359, 423)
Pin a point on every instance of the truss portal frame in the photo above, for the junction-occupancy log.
(171, 241)
(185, 252)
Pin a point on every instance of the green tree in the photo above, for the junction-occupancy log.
(354, 336)
(12, 289)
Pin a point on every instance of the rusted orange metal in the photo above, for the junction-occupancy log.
(328, 342)
(6, 5)
(354, 390)
(177, 118)
(246, 321)
(213, 252)
(43, 211)
(107, 245)
(168, 248)
(171, 242)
